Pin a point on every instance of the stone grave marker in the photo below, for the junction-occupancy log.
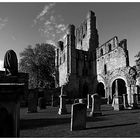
(42, 103)
(125, 101)
(135, 100)
(117, 103)
(96, 105)
(78, 116)
(32, 102)
(89, 101)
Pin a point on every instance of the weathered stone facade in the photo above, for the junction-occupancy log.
(76, 58)
(83, 67)
(113, 64)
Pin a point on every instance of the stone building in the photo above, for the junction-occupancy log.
(76, 58)
(83, 67)
(113, 67)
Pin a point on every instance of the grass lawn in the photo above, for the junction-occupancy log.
(47, 123)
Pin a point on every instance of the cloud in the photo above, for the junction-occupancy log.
(3, 22)
(51, 42)
(51, 24)
(44, 12)
(1, 65)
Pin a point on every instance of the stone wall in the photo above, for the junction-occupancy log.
(79, 48)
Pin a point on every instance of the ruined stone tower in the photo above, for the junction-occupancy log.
(83, 67)
(76, 58)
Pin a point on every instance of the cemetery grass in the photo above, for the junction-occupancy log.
(47, 123)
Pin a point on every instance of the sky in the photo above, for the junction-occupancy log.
(23, 24)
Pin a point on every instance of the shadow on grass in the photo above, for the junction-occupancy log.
(95, 119)
(34, 123)
(110, 126)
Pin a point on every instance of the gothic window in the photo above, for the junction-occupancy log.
(81, 42)
(78, 35)
(84, 28)
(105, 69)
(109, 47)
(101, 52)
(63, 57)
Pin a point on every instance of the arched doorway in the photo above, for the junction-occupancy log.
(101, 89)
(119, 86)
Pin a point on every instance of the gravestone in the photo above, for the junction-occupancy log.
(117, 103)
(125, 101)
(32, 101)
(135, 100)
(12, 88)
(89, 101)
(76, 101)
(54, 101)
(78, 116)
(42, 103)
(96, 105)
(82, 100)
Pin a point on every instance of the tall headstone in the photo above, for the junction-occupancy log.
(42, 103)
(125, 101)
(78, 116)
(135, 100)
(118, 103)
(96, 105)
(32, 101)
(62, 107)
(54, 101)
(89, 101)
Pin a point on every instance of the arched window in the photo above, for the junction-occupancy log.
(105, 69)
(101, 52)
(109, 47)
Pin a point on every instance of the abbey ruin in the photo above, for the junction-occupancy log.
(83, 67)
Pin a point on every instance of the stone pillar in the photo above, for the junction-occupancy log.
(89, 101)
(125, 101)
(129, 95)
(96, 105)
(12, 89)
(116, 88)
(62, 108)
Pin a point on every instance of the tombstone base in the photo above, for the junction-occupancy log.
(62, 111)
